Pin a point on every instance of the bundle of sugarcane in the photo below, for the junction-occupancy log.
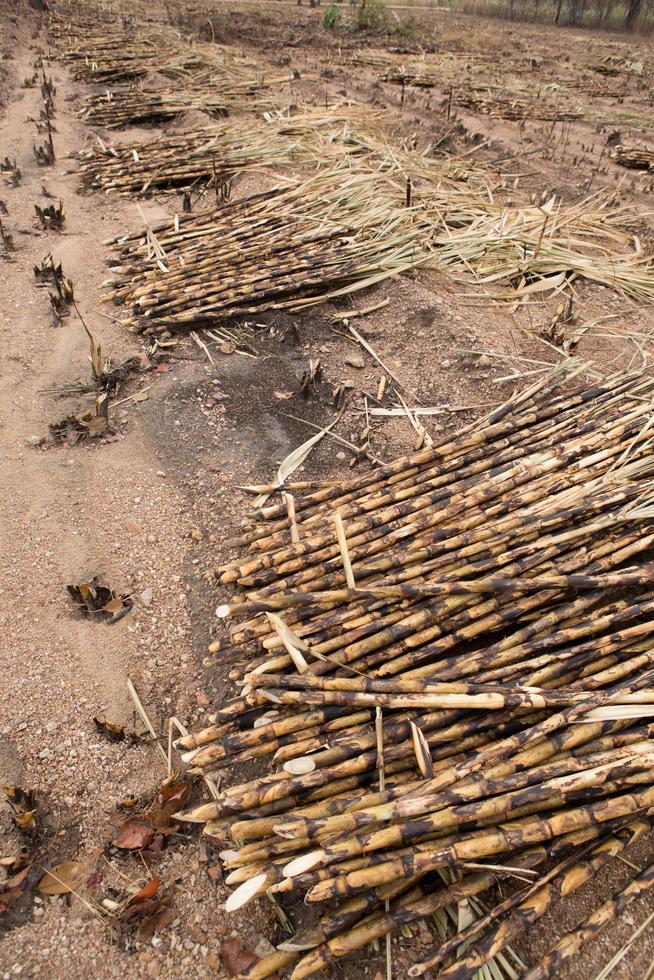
(634, 157)
(216, 153)
(114, 62)
(288, 248)
(614, 65)
(429, 73)
(339, 231)
(418, 74)
(454, 659)
(510, 106)
(215, 95)
(113, 55)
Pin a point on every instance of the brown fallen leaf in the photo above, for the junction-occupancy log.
(21, 882)
(235, 958)
(148, 891)
(63, 878)
(156, 923)
(155, 849)
(170, 798)
(17, 879)
(134, 834)
(151, 910)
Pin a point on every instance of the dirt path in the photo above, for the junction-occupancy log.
(69, 514)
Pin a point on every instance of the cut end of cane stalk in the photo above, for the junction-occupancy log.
(246, 892)
(302, 864)
(300, 766)
(223, 611)
(239, 875)
(228, 855)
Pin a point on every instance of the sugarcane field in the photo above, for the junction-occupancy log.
(327, 489)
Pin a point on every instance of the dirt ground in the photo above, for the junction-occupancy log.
(150, 510)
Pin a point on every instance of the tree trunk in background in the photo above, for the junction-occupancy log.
(558, 11)
(633, 13)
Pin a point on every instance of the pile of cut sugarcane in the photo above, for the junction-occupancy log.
(506, 105)
(634, 157)
(614, 65)
(450, 662)
(216, 153)
(218, 96)
(349, 227)
(207, 77)
(110, 56)
(288, 248)
(106, 54)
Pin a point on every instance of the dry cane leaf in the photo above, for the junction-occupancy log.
(291, 641)
(63, 878)
(421, 749)
(542, 285)
(291, 462)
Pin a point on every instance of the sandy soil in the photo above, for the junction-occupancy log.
(149, 512)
